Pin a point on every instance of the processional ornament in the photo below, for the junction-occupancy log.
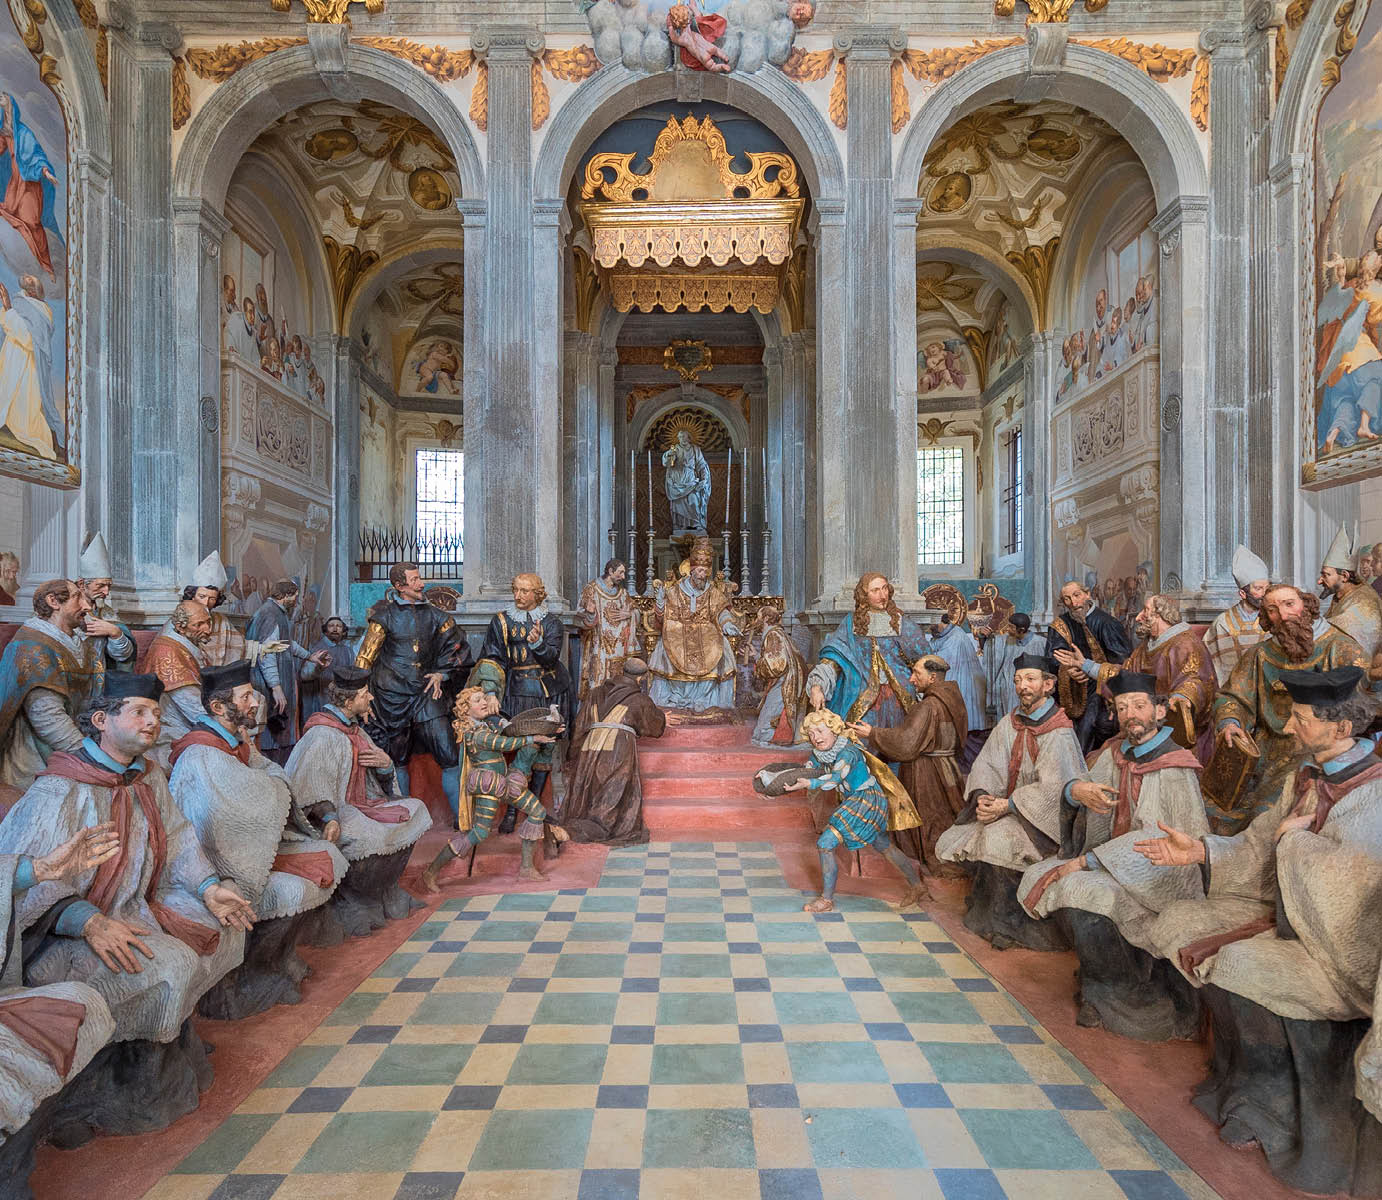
(692, 230)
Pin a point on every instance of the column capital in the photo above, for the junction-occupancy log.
(907, 210)
(155, 35)
(1234, 38)
(474, 212)
(507, 43)
(1288, 173)
(870, 43)
(1183, 210)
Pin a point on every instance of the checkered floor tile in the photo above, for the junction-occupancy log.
(681, 1030)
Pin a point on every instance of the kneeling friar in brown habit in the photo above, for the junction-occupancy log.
(925, 744)
(605, 799)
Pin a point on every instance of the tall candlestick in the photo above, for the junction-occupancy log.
(744, 491)
(633, 483)
(765, 486)
(650, 493)
(729, 475)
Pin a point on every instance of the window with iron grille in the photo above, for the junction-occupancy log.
(1013, 492)
(440, 504)
(940, 506)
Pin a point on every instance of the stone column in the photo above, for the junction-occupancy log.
(776, 435)
(514, 426)
(1239, 276)
(1043, 354)
(474, 385)
(91, 198)
(864, 419)
(1291, 387)
(588, 464)
(198, 230)
(345, 467)
(1187, 464)
(152, 519)
(904, 293)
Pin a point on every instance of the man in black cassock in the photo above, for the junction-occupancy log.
(1084, 640)
(417, 657)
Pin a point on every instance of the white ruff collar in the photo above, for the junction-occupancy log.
(518, 616)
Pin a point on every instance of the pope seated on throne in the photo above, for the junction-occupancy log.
(693, 663)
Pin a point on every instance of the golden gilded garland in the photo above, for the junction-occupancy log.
(902, 106)
(182, 94)
(935, 66)
(86, 11)
(1034, 264)
(348, 263)
(219, 63)
(541, 97)
(808, 66)
(443, 65)
(1045, 12)
(1281, 59)
(479, 98)
(329, 12)
(979, 341)
(1161, 63)
(839, 98)
(695, 292)
(1199, 94)
(571, 66)
(1343, 47)
(31, 33)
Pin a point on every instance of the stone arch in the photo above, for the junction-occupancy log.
(1100, 83)
(384, 273)
(614, 91)
(1293, 124)
(977, 255)
(239, 111)
(694, 397)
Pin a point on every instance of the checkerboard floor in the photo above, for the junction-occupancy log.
(681, 1030)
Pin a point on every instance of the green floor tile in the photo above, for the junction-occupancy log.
(473, 964)
(694, 904)
(778, 903)
(905, 966)
(555, 1064)
(456, 1008)
(679, 1064)
(577, 1008)
(595, 931)
(800, 966)
(880, 931)
(609, 904)
(814, 1008)
(301, 1066)
(959, 1062)
(1027, 1140)
(835, 1062)
(941, 1008)
(687, 882)
(525, 902)
(227, 1145)
(506, 931)
(877, 1138)
(354, 1010)
(694, 931)
(790, 931)
(698, 1137)
(695, 966)
(366, 1141)
(533, 1140)
(696, 1008)
(396, 965)
(411, 1064)
(621, 881)
(589, 966)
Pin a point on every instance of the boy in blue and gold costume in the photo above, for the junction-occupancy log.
(872, 803)
(488, 781)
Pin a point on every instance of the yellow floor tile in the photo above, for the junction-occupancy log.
(717, 1183)
(279, 1150)
(340, 1187)
(351, 1064)
(779, 1137)
(184, 1187)
(520, 1185)
(616, 1138)
(943, 1138)
(1059, 1185)
(451, 1141)
(413, 1098)
(861, 1184)
(1109, 1141)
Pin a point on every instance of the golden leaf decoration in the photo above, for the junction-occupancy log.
(479, 98)
(902, 106)
(978, 341)
(839, 98)
(219, 63)
(1045, 12)
(587, 284)
(86, 10)
(32, 36)
(1296, 12)
(103, 58)
(1161, 63)
(1343, 47)
(443, 65)
(329, 12)
(542, 98)
(348, 263)
(808, 66)
(182, 94)
(1281, 59)
(1199, 94)
(572, 65)
(934, 66)
(1034, 264)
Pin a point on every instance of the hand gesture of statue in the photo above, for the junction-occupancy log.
(84, 852)
(432, 687)
(1176, 849)
(1233, 734)
(115, 942)
(229, 907)
(1097, 797)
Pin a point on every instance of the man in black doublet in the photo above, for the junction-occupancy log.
(417, 657)
(1083, 640)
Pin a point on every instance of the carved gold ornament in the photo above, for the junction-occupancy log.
(570, 65)
(1199, 94)
(1034, 264)
(219, 63)
(808, 66)
(692, 230)
(443, 65)
(31, 32)
(348, 263)
(688, 359)
(1043, 12)
(329, 12)
(901, 104)
(1162, 63)
(838, 106)
(182, 94)
(936, 66)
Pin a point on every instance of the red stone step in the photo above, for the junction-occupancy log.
(701, 736)
(738, 788)
(664, 760)
(666, 817)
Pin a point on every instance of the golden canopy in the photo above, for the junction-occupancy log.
(692, 231)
